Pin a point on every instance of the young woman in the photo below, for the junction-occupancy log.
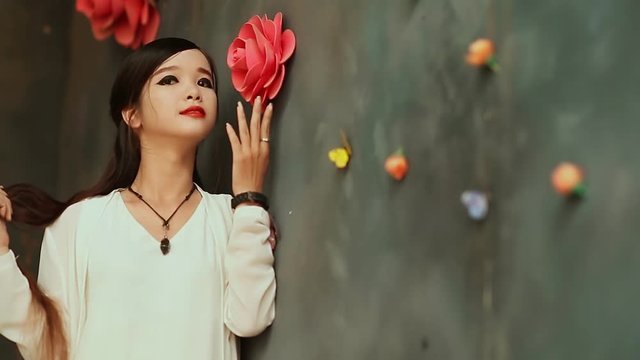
(146, 264)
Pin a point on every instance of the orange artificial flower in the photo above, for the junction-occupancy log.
(482, 53)
(567, 179)
(397, 165)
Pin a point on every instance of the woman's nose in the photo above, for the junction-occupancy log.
(193, 93)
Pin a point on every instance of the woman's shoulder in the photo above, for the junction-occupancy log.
(218, 208)
(223, 200)
(215, 197)
(83, 210)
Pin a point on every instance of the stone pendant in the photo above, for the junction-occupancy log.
(165, 246)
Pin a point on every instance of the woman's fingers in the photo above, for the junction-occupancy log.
(272, 242)
(255, 125)
(10, 210)
(273, 233)
(251, 134)
(242, 127)
(233, 139)
(265, 128)
(3, 203)
(6, 211)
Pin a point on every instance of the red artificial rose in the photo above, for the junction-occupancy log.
(133, 22)
(257, 56)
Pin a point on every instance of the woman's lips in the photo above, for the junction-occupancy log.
(194, 111)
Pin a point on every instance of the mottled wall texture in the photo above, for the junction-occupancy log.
(369, 268)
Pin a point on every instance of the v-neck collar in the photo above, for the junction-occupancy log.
(177, 234)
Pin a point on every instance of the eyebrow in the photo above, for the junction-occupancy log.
(170, 68)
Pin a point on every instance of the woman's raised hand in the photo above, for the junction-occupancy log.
(250, 148)
(6, 213)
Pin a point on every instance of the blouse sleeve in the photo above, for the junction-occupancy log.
(20, 320)
(15, 299)
(250, 278)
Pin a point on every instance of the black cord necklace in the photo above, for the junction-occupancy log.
(165, 245)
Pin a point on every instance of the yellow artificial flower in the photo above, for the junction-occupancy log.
(340, 157)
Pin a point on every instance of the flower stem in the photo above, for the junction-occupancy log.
(492, 64)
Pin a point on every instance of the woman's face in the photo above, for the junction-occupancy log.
(178, 101)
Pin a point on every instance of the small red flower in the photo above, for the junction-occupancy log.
(397, 165)
(132, 22)
(257, 56)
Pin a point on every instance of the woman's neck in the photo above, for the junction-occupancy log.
(165, 175)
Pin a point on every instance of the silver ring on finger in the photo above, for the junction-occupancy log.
(265, 139)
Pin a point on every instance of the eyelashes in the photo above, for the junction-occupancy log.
(170, 80)
(205, 83)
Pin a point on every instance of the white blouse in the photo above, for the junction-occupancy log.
(124, 299)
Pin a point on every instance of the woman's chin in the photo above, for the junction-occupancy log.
(192, 134)
(199, 128)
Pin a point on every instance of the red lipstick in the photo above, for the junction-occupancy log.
(194, 111)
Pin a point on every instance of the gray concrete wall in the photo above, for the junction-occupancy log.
(369, 268)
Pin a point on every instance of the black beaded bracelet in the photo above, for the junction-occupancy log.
(250, 196)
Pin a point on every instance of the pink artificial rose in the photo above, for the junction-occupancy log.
(133, 22)
(257, 56)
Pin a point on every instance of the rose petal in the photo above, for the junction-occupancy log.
(275, 87)
(253, 54)
(101, 8)
(246, 96)
(249, 94)
(247, 30)
(251, 78)
(85, 7)
(137, 41)
(277, 42)
(257, 22)
(236, 55)
(257, 89)
(277, 21)
(237, 78)
(125, 31)
(102, 24)
(117, 8)
(133, 10)
(150, 30)
(101, 34)
(269, 30)
(288, 45)
(263, 42)
(263, 95)
(144, 14)
(273, 60)
(241, 62)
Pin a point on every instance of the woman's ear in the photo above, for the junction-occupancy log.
(131, 118)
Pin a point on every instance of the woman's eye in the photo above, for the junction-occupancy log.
(205, 82)
(168, 80)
